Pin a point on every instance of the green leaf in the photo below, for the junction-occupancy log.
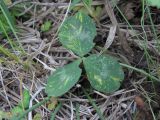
(11, 24)
(24, 104)
(25, 100)
(17, 110)
(46, 26)
(8, 2)
(6, 13)
(5, 115)
(77, 34)
(85, 10)
(37, 116)
(104, 72)
(74, 2)
(52, 103)
(98, 11)
(88, 3)
(63, 79)
(3, 24)
(9, 53)
(154, 3)
(88, 6)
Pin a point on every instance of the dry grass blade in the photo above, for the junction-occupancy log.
(44, 54)
(121, 35)
(110, 38)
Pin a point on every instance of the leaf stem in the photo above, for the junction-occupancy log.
(77, 112)
(94, 105)
(56, 111)
(140, 71)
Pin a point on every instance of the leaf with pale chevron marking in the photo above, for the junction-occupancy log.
(77, 34)
(104, 72)
(63, 79)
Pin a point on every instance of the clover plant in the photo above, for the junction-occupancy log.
(103, 71)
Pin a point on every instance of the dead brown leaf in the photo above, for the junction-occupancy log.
(123, 40)
(127, 10)
(139, 101)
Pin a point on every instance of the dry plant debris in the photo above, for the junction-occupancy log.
(138, 96)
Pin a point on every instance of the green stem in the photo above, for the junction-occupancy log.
(91, 12)
(56, 111)
(77, 112)
(153, 27)
(94, 105)
(10, 22)
(140, 71)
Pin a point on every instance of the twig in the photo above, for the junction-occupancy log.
(114, 21)
(1, 78)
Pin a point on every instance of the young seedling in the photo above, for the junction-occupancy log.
(46, 26)
(23, 105)
(103, 71)
(17, 110)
